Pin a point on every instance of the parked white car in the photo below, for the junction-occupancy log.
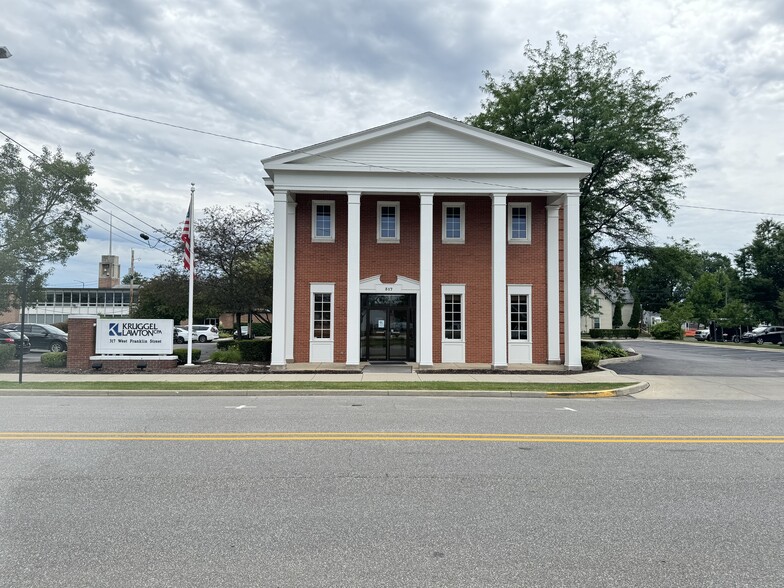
(702, 334)
(203, 333)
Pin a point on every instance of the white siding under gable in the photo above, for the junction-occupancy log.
(429, 147)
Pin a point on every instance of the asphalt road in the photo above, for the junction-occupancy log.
(699, 359)
(536, 511)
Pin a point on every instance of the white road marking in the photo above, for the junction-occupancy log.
(566, 408)
(240, 407)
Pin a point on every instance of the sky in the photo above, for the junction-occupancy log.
(285, 74)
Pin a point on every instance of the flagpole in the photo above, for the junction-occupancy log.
(190, 278)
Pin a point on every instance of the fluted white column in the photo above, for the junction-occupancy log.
(499, 356)
(279, 280)
(553, 286)
(572, 358)
(352, 282)
(291, 218)
(425, 302)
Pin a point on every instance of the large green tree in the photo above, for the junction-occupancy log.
(580, 103)
(761, 265)
(41, 211)
(233, 262)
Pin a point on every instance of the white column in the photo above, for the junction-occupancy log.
(425, 302)
(572, 358)
(279, 279)
(499, 329)
(291, 212)
(553, 286)
(352, 281)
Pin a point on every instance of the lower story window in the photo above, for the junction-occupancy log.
(453, 316)
(518, 317)
(596, 323)
(322, 315)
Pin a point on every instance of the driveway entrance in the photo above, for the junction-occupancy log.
(387, 327)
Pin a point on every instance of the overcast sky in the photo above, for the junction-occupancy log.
(291, 73)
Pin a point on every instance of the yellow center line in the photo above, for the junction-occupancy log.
(383, 436)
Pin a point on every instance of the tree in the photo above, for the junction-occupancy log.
(664, 274)
(135, 276)
(41, 211)
(617, 319)
(761, 265)
(678, 313)
(706, 297)
(233, 252)
(580, 103)
(634, 320)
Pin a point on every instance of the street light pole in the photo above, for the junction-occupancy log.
(26, 273)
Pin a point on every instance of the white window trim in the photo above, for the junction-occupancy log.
(453, 289)
(510, 206)
(331, 238)
(396, 238)
(524, 290)
(322, 289)
(444, 238)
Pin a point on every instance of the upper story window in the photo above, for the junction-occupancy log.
(453, 222)
(519, 222)
(324, 220)
(388, 222)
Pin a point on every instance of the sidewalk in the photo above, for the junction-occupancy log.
(267, 380)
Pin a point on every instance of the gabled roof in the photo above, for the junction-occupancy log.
(429, 143)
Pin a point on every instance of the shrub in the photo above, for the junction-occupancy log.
(54, 360)
(607, 350)
(590, 358)
(666, 330)
(255, 349)
(231, 355)
(6, 354)
(262, 329)
(182, 355)
(613, 333)
(62, 326)
(224, 344)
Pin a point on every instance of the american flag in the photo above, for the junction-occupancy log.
(186, 238)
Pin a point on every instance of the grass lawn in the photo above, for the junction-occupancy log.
(305, 386)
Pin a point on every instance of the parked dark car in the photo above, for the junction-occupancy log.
(762, 335)
(45, 337)
(12, 338)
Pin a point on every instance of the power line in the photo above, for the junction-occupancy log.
(98, 206)
(276, 147)
(730, 210)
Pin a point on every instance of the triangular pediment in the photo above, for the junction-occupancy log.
(426, 143)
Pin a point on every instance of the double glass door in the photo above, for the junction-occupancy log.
(387, 327)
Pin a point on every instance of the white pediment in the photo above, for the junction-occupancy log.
(426, 143)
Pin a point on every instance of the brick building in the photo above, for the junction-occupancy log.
(426, 241)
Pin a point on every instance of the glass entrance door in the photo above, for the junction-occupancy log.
(387, 324)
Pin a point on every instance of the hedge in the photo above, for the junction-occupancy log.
(590, 358)
(182, 355)
(255, 349)
(665, 330)
(614, 333)
(54, 359)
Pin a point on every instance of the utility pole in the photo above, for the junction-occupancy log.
(130, 304)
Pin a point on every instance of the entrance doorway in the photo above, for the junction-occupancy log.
(387, 327)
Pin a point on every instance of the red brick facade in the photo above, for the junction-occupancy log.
(468, 263)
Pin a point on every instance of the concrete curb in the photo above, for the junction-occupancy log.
(627, 359)
(607, 393)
